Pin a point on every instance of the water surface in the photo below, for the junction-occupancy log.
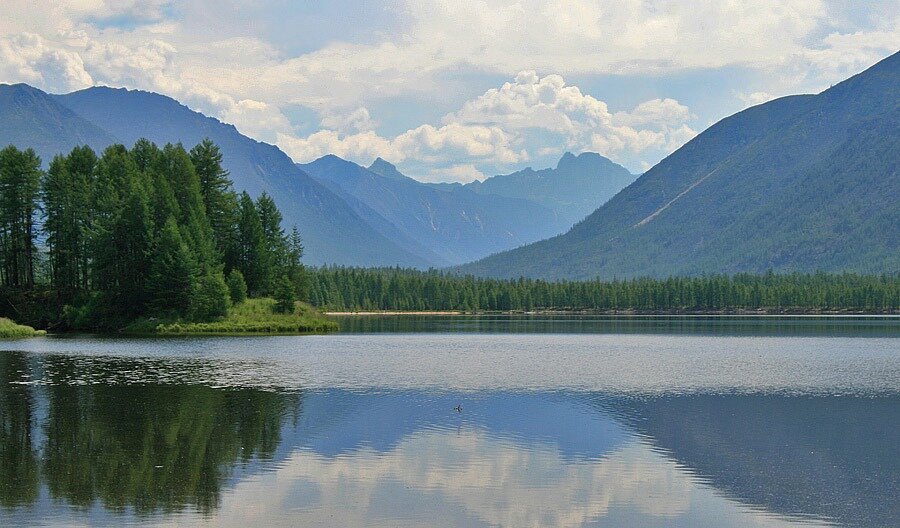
(563, 422)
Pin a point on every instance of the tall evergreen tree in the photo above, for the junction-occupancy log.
(219, 198)
(254, 258)
(62, 229)
(172, 273)
(176, 165)
(81, 164)
(20, 176)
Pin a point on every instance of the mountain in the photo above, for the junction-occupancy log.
(453, 222)
(31, 118)
(574, 189)
(801, 183)
(100, 116)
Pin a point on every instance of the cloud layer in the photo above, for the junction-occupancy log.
(232, 61)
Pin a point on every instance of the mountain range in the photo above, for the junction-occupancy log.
(347, 214)
(801, 183)
(460, 223)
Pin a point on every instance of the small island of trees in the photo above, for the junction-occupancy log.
(144, 238)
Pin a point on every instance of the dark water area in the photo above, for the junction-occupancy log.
(850, 325)
(422, 426)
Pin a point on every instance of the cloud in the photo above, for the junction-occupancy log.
(27, 57)
(357, 120)
(222, 63)
(457, 173)
(505, 126)
(452, 470)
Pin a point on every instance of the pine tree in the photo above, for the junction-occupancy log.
(20, 176)
(254, 260)
(219, 199)
(285, 296)
(237, 287)
(172, 273)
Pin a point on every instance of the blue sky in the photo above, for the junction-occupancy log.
(450, 90)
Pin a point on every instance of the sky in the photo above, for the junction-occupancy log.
(452, 90)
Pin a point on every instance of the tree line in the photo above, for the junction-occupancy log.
(357, 289)
(148, 231)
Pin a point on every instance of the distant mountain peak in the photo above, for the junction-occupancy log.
(386, 169)
(584, 160)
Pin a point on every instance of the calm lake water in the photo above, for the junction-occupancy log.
(563, 421)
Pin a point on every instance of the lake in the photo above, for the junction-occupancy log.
(461, 421)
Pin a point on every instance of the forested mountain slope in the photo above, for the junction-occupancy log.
(801, 183)
(30, 118)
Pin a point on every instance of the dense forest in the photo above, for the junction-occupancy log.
(98, 241)
(355, 289)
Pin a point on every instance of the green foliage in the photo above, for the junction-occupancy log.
(132, 234)
(11, 330)
(237, 287)
(254, 262)
(285, 295)
(20, 175)
(396, 289)
(210, 298)
(254, 316)
(172, 273)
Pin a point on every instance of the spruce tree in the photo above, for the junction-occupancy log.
(172, 273)
(285, 297)
(254, 261)
(20, 176)
(219, 199)
(237, 287)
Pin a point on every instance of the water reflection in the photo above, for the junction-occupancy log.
(142, 448)
(838, 456)
(19, 474)
(725, 325)
(186, 440)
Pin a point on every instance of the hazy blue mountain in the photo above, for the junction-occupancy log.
(574, 189)
(388, 170)
(332, 231)
(453, 222)
(800, 183)
(31, 118)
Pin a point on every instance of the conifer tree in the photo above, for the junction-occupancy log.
(172, 273)
(219, 199)
(20, 176)
(254, 261)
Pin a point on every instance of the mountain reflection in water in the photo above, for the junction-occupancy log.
(87, 439)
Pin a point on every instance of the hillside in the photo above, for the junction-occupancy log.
(31, 118)
(99, 116)
(801, 183)
(452, 222)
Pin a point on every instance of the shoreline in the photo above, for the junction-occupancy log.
(630, 313)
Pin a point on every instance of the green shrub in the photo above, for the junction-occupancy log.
(237, 287)
(285, 295)
(11, 330)
(210, 298)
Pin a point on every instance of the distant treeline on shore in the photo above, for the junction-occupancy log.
(358, 289)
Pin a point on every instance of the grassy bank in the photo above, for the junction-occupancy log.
(251, 317)
(11, 330)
